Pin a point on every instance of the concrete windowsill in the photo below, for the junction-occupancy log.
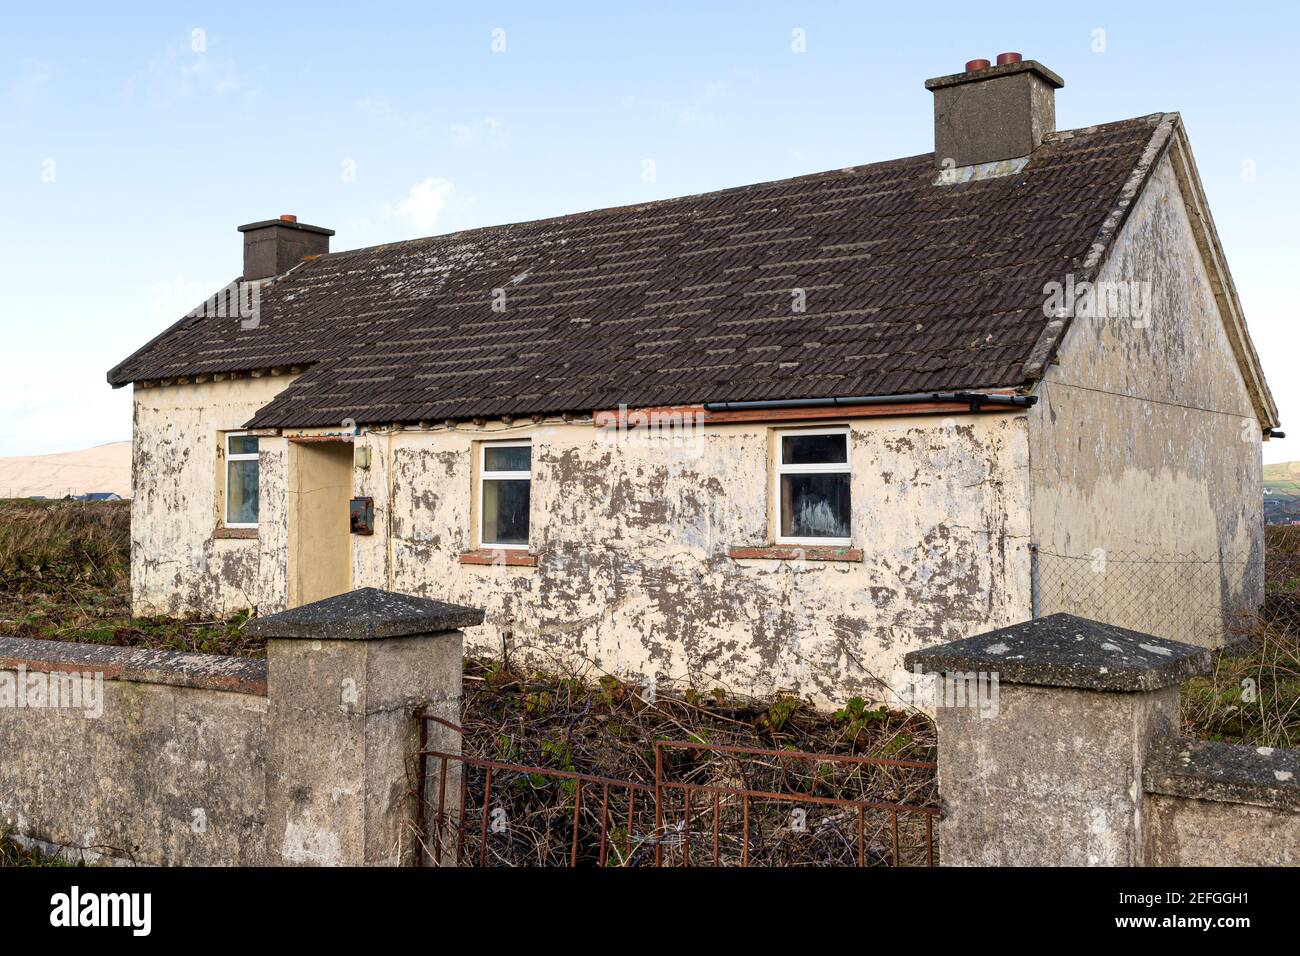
(507, 557)
(794, 552)
(244, 534)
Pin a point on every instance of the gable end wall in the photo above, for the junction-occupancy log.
(1145, 445)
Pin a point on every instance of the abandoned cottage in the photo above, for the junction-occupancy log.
(772, 437)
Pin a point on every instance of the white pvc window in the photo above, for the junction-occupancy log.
(812, 487)
(505, 491)
(241, 480)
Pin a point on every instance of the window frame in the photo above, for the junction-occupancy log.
(228, 457)
(485, 475)
(825, 468)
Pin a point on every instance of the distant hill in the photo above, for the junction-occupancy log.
(1282, 471)
(105, 468)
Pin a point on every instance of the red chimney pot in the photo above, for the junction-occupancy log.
(974, 66)
(1005, 58)
(288, 218)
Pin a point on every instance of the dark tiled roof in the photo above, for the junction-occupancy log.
(910, 286)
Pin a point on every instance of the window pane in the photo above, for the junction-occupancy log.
(496, 458)
(243, 444)
(814, 449)
(815, 506)
(241, 492)
(505, 511)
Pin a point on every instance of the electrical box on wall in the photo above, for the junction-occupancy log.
(361, 515)
(361, 456)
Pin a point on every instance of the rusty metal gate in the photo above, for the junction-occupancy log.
(708, 804)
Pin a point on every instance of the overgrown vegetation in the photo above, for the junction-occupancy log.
(610, 726)
(49, 543)
(65, 569)
(1253, 696)
(593, 723)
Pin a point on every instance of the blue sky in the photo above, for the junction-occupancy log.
(131, 146)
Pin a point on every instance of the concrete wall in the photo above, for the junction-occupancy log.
(191, 759)
(1210, 803)
(1144, 442)
(1080, 762)
(632, 543)
(170, 771)
(1054, 777)
(1191, 832)
(179, 563)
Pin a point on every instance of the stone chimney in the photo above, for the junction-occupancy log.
(992, 112)
(274, 246)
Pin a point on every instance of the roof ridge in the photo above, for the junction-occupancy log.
(1053, 137)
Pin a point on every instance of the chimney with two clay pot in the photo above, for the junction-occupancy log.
(992, 112)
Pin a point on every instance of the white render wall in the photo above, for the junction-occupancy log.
(632, 540)
(178, 565)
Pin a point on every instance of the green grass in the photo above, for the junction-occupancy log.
(12, 854)
(1254, 697)
(65, 572)
(46, 543)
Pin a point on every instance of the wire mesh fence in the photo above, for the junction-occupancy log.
(1185, 597)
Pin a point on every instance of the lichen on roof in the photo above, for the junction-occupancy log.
(909, 285)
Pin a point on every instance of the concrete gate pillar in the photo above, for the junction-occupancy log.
(345, 678)
(1052, 775)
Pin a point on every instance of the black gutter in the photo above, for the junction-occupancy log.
(974, 399)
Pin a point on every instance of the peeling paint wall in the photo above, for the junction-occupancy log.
(632, 537)
(1144, 442)
(633, 573)
(177, 565)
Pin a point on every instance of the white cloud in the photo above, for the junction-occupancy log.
(414, 123)
(423, 205)
(422, 212)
